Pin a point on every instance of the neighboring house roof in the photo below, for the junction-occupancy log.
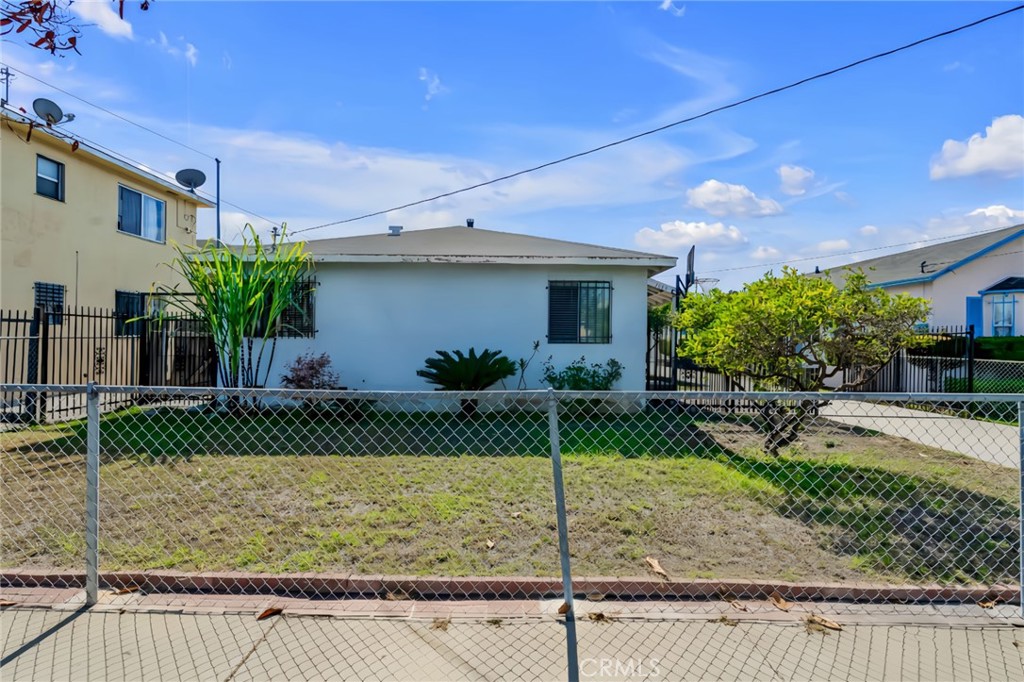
(659, 293)
(938, 259)
(55, 136)
(475, 245)
(1008, 284)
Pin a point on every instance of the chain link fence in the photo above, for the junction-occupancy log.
(611, 509)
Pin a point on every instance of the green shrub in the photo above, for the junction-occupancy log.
(959, 385)
(457, 371)
(579, 376)
(999, 348)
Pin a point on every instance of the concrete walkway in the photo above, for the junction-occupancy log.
(198, 638)
(987, 441)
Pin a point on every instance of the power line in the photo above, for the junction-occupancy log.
(114, 114)
(659, 129)
(851, 253)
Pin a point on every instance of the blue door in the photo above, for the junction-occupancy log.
(975, 315)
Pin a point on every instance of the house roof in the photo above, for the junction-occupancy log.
(929, 262)
(1008, 284)
(475, 245)
(57, 137)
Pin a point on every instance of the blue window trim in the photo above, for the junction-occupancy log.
(1003, 298)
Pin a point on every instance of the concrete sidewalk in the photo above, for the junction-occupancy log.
(987, 441)
(132, 637)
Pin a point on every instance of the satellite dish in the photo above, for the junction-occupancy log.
(190, 178)
(48, 110)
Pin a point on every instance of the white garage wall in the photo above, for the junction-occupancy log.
(380, 321)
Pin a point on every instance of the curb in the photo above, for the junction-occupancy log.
(345, 585)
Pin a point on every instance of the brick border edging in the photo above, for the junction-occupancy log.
(510, 587)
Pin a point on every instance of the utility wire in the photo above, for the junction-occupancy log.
(659, 129)
(108, 111)
(873, 248)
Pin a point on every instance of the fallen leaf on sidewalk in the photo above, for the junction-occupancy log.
(127, 590)
(656, 567)
(599, 617)
(397, 595)
(988, 603)
(736, 604)
(272, 611)
(563, 609)
(814, 619)
(441, 624)
(780, 603)
(725, 620)
(7, 603)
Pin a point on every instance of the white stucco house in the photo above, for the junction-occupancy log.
(384, 303)
(977, 280)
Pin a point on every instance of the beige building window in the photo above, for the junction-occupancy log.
(49, 178)
(140, 214)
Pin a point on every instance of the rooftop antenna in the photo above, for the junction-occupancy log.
(49, 111)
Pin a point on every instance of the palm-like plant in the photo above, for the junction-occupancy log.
(239, 293)
(458, 371)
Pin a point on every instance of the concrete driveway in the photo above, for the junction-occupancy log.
(987, 441)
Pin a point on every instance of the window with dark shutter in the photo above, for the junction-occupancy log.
(299, 320)
(579, 312)
(50, 297)
(129, 305)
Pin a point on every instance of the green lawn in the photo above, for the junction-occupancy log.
(418, 493)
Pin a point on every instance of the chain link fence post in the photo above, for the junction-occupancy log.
(563, 539)
(92, 494)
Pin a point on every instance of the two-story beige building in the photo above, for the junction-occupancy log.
(79, 227)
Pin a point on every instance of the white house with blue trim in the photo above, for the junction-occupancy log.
(977, 280)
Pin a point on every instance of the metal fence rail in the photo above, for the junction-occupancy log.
(610, 503)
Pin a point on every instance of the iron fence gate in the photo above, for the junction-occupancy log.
(77, 345)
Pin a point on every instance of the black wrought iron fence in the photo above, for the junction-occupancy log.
(81, 345)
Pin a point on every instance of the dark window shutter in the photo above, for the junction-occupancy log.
(129, 305)
(563, 312)
(298, 320)
(50, 297)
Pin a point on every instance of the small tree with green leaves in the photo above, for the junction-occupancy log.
(794, 332)
(239, 293)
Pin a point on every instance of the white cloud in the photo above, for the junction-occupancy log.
(723, 199)
(188, 51)
(795, 179)
(998, 151)
(678, 234)
(766, 253)
(832, 245)
(667, 6)
(868, 230)
(102, 14)
(434, 85)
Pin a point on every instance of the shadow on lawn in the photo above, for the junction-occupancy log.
(890, 522)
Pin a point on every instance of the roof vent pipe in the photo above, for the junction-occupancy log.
(394, 230)
(469, 222)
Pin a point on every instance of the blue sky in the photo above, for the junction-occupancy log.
(322, 111)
